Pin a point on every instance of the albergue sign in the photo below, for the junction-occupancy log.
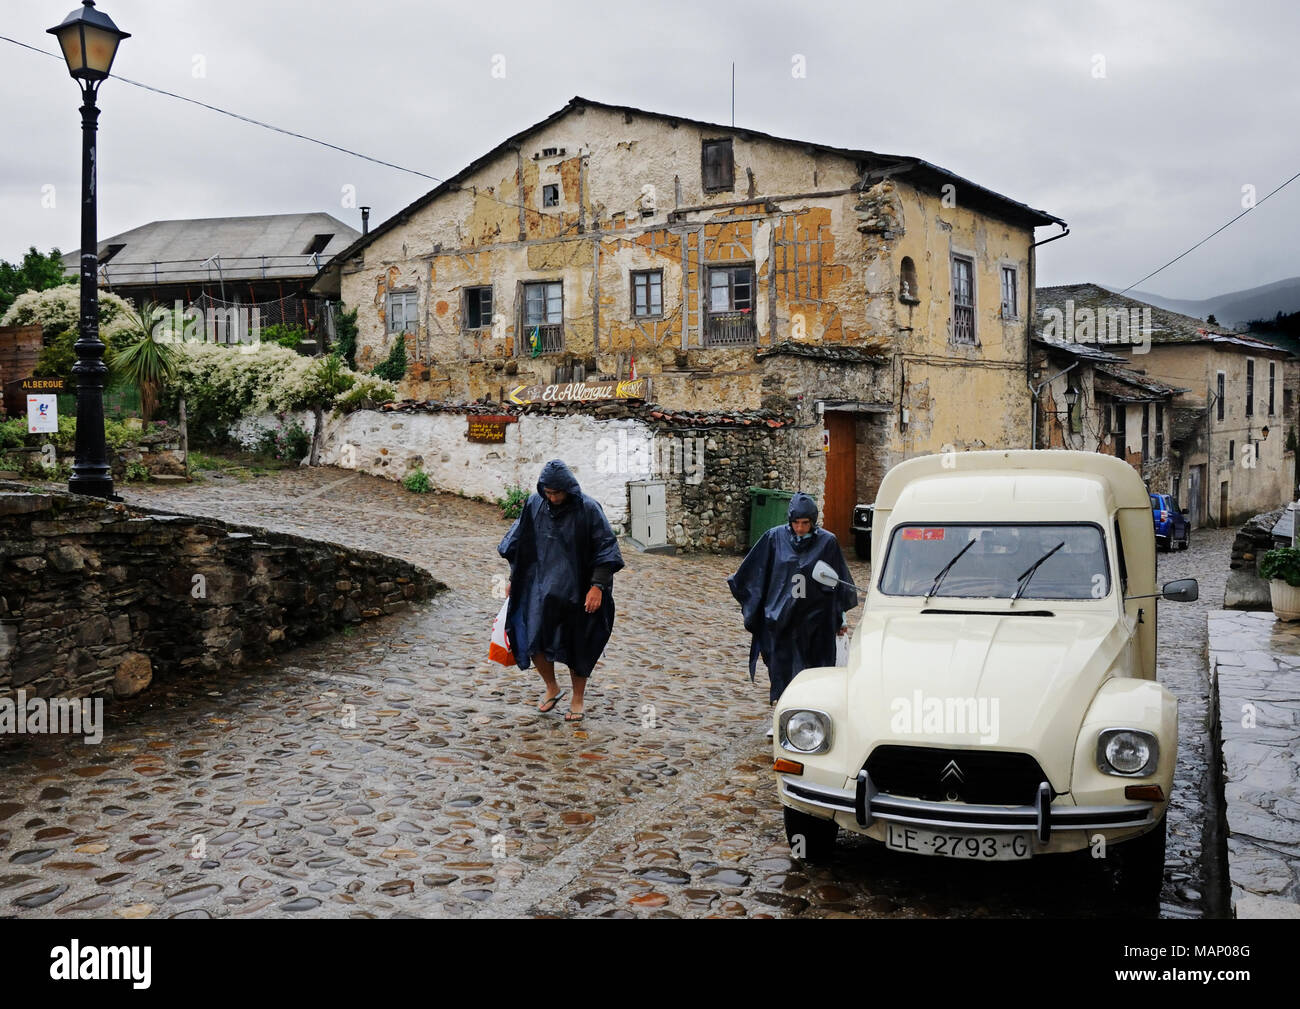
(580, 392)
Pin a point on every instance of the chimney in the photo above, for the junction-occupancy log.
(365, 220)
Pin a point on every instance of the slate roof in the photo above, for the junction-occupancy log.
(1166, 326)
(269, 246)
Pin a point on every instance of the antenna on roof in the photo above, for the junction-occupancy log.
(733, 94)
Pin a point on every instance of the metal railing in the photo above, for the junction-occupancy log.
(729, 329)
(550, 337)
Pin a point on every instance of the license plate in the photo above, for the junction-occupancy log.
(957, 844)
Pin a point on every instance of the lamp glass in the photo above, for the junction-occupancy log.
(100, 48)
(70, 42)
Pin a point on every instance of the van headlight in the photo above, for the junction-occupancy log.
(1132, 753)
(805, 731)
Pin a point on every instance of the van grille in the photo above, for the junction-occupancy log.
(992, 777)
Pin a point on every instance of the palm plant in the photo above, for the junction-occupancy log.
(147, 363)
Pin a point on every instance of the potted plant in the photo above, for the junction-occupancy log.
(1282, 569)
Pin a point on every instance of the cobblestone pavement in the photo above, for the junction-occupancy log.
(248, 794)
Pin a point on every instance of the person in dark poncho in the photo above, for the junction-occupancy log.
(793, 619)
(563, 556)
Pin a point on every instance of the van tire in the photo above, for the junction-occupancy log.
(1140, 864)
(818, 835)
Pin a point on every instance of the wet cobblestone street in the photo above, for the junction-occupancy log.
(252, 793)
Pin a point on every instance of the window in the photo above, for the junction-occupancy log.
(402, 309)
(1160, 432)
(1009, 300)
(1119, 556)
(1146, 431)
(1272, 366)
(1219, 395)
(1232, 450)
(963, 300)
(550, 196)
(110, 252)
(717, 166)
(543, 328)
(1121, 430)
(1177, 481)
(1250, 387)
(909, 291)
(478, 308)
(730, 317)
(647, 293)
(317, 244)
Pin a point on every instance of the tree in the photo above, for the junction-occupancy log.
(1210, 320)
(36, 272)
(147, 363)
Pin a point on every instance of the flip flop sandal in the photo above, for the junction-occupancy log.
(550, 702)
(574, 716)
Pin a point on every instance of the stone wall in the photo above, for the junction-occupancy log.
(97, 598)
(1245, 590)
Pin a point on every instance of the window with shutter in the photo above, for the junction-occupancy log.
(717, 165)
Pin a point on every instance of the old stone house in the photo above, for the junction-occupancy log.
(1087, 400)
(1234, 415)
(835, 310)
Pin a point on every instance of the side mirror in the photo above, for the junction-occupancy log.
(1184, 590)
(824, 574)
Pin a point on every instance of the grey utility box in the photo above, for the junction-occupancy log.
(648, 515)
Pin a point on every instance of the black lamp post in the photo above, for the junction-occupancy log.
(89, 41)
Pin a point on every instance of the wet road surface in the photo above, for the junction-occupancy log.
(393, 770)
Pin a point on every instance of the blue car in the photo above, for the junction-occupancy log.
(1171, 524)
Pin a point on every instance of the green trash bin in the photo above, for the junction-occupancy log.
(767, 508)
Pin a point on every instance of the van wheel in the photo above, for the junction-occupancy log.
(862, 546)
(1140, 864)
(812, 836)
(1186, 541)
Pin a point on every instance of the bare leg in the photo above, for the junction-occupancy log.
(579, 689)
(547, 669)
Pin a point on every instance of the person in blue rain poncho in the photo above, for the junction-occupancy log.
(793, 619)
(563, 556)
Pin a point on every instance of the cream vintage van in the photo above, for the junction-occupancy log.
(1000, 700)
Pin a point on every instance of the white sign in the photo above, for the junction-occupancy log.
(42, 414)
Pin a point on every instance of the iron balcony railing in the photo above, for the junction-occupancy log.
(550, 339)
(729, 329)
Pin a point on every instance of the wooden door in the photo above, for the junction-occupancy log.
(841, 475)
(1195, 496)
(1223, 505)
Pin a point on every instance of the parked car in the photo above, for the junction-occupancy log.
(862, 517)
(1171, 524)
(1000, 699)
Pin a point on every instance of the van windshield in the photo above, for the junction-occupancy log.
(997, 561)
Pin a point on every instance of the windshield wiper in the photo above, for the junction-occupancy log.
(934, 587)
(1028, 573)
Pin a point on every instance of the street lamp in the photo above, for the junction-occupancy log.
(89, 41)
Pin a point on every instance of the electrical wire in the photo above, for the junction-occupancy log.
(1210, 235)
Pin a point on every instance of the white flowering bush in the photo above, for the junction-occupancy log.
(59, 309)
(222, 383)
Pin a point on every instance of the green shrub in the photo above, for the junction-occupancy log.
(136, 471)
(394, 367)
(288, 442)
(417, 481)
(1282, 563)
(345, 331)
(13, 433)
(513, 503)
(284, 334)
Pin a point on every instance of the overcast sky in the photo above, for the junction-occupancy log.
(1137, 122)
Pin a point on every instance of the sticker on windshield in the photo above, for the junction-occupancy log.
(915, 533)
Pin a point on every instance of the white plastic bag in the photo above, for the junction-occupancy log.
(499, 649)
(841, 649)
